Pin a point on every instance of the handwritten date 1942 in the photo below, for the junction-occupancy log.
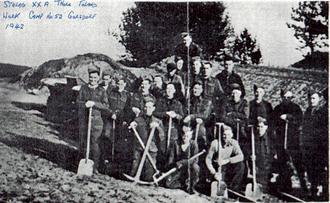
(15, 26)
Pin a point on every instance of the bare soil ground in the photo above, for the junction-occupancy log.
(37, 164)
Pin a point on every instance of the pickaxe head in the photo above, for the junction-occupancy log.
(136, 180)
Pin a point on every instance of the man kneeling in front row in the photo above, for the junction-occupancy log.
(232, 160)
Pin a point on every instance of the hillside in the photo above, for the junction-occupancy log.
(274, 79)
(76, 66)
(11, 70)
(40, 161)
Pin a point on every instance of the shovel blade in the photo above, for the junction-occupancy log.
(254, 193)
(85, 167)
(217, 191)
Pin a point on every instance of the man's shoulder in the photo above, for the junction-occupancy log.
(155, 119)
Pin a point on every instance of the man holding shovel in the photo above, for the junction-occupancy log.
(231, 160)
(170, 111)
(92, 96)
(187, 175)
(287, 118)
(115, 118)
(143, 124)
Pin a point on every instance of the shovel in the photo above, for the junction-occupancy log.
(219, 188)
(113, 140)
(86, 165)
(169, 134)
(253, 191)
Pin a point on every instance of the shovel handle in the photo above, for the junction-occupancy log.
(113, 140)
(89, 133)
(169, 134)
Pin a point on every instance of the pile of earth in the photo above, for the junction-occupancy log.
(75, 67)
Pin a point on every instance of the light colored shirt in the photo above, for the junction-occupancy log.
(231, 151)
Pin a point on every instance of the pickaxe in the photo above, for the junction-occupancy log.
(143, 147)
(164, 175)
(136, 178)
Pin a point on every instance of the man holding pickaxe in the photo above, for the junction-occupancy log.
(150, 130)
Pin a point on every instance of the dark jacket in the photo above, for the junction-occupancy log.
(294, 116)
(182, 51)
(263, 109)
(98, 95)
(314, 138)
(143, 128)
(118, 103)
(236, 111)
(200, 108)
(227, 79)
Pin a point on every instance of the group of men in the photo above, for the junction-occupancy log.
(175, 117)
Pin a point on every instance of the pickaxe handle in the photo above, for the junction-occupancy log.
(156, 181)
(143, 147)
(196, 133)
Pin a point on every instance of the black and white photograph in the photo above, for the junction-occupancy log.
(164, 101)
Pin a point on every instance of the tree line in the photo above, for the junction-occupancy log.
(150, 31)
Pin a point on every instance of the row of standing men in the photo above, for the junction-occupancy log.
(191, 100)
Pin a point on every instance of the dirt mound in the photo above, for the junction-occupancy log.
(76, 66)
(29, 178)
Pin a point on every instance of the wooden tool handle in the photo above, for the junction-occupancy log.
(89, 132)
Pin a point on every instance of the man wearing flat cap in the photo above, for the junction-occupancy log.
(93, 96)
(287, 119)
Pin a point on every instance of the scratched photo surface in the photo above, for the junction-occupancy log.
(123, 101)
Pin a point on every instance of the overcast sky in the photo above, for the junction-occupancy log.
(43, 40)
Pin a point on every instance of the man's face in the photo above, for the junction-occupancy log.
(145, 86)
(158, 81)
(93, 78)
(170, 90)
(121, 85)
(208, 70)
(149, 108)
(227, 135)
(187, 40)
(179, 64)
(197, 66)
(229, 66)
(106, 79)
(198, 89)
(259, 93)
(236, 94)
(187, 134)
(286, 98)
(315, 99)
